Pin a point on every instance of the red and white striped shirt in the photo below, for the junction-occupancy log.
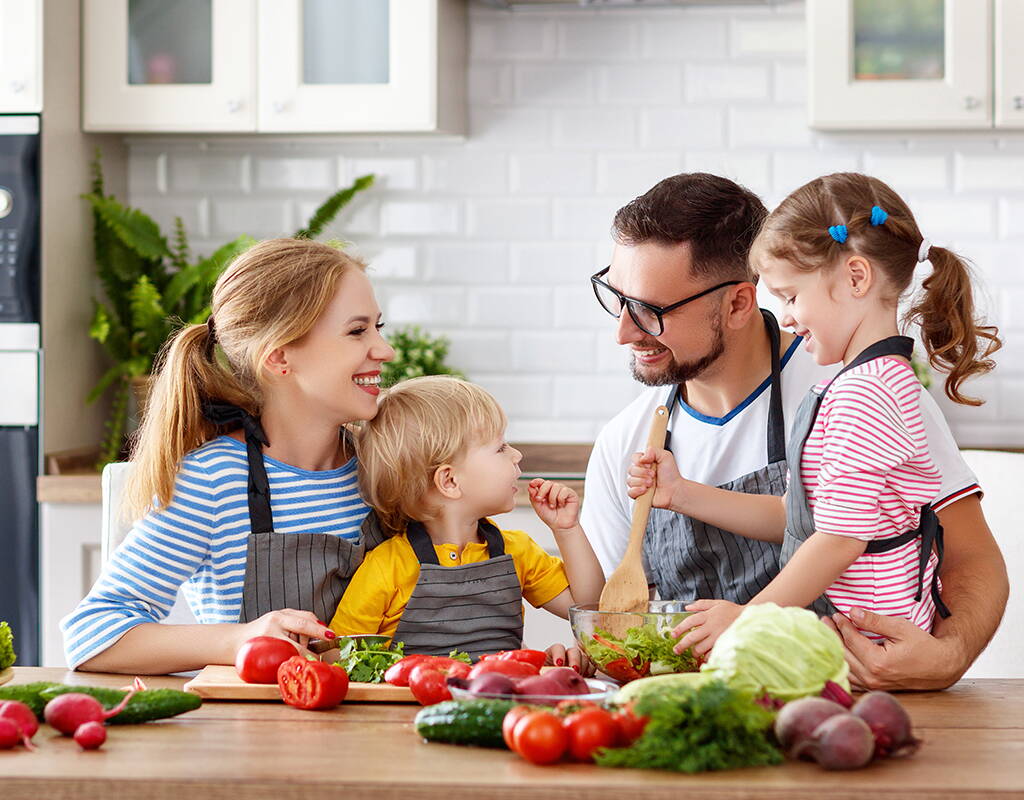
(867, 472)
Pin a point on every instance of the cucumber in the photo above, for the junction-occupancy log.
(149, 704)
(28, 693)
(464, 722)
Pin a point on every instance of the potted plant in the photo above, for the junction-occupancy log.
(416, 353)
(152, 287)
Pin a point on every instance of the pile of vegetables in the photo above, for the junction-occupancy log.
(430, 678)
(645, 650)
(7, 654)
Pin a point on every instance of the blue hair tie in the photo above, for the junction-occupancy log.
(838, 232)
(878, 215)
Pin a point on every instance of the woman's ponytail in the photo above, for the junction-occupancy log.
(956, 343)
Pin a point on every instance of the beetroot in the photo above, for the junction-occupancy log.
(90, 735)
(21, 715)
(889, 724)
(842, 741)
(837, 694)
(798, 719)
(67, 711)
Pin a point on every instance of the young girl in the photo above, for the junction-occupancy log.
(437, 465)
(855, 526)
(245, 486)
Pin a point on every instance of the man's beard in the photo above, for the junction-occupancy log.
(676, 373)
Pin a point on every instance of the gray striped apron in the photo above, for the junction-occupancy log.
(800, 519)
(687, 559)
(476, 608)
(304, 571)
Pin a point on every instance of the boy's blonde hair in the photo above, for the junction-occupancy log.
(421, 424)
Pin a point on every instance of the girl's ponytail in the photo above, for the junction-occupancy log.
(956, 343)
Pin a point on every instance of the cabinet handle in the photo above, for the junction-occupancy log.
(233, 106)
(1018, 103)
(971, 102)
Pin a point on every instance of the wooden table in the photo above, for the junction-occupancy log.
(974, 748)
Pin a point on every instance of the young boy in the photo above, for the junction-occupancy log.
(435, 466)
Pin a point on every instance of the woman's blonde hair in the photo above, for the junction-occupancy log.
(798, 232)
(421, 424)
(269, 296)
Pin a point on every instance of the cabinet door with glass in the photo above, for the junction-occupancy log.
(361, 65)
(908, 64)
(21, 56)
(154, 65)
(1009, 43)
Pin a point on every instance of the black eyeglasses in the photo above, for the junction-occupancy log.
(647, 317)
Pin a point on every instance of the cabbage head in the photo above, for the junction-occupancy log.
(787, 652)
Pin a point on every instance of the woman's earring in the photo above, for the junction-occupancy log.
(284, 371)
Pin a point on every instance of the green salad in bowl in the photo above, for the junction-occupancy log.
(626, 645)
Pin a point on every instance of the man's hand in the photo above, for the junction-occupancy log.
(910, 658)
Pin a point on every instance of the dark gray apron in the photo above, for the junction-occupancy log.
(687, 559)
(800, 520)
(304, 571)
(476, 608)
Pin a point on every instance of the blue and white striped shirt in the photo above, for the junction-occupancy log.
(199, 540)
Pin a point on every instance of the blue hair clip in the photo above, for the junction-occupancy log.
(838, 232)
(878, 215)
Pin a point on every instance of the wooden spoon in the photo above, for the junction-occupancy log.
(626, 588)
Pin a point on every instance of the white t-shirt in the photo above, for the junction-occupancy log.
(716, 450)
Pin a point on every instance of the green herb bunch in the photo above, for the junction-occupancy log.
(417, 353)
(697, 729)
(367, 661)
(7, 654)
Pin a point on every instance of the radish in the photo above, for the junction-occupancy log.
(21, 715)
(90, 735)
(67, 711)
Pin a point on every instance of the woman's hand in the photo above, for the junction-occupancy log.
(557, 505)
(641, 476)
(558, 655)
(288, 623)
(705, 625)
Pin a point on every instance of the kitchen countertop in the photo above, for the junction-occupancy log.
(565, 462)
(973, 747)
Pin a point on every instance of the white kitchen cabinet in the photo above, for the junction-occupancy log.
(158, 66)
(1009, 64)
(296, 66)
(21, 56)
(922, 64)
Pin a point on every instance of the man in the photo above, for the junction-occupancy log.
(684, 296)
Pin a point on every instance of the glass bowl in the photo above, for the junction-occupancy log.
(626, 645)
(600, 692)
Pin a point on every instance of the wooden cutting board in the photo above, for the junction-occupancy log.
(220, 682)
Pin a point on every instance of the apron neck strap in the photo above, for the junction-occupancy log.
(776, 433)
(892, 346)
(423, 547)
(258, 490)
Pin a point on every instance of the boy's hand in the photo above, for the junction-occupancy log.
(641, 476)
(557, 505)
(705, 625)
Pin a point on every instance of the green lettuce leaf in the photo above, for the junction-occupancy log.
(7, 654)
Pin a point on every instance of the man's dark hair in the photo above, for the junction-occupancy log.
(719, 219)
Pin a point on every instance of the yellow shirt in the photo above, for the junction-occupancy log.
(381, 587)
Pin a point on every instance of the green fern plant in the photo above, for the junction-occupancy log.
(153, 286)
(417, 353)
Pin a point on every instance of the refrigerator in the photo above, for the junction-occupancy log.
(20, 362)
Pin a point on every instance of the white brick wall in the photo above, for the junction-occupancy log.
(491, 239)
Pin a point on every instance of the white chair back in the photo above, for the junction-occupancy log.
(999, 475)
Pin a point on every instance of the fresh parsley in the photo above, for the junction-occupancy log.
(366, 662)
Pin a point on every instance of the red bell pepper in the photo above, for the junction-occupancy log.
(622, 669)
(514, 669)
(311, 684)
(428, 679)
(534, 657)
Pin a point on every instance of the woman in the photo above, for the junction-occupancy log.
(238, 448)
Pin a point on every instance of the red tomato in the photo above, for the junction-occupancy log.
(539, 737)
(398, 673)
(258, 659)
(631, 726)
(589, 730)
(311, 684)
(622, 669)
(429, 679)
(514, 669)
(508, 724)
(535, 657)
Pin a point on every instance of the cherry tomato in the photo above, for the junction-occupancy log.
(589, 730)
(311, 684)
(508, 724)
(429, 679)
(258, 659)
(540, 738)
(631, 726)
(514, 669)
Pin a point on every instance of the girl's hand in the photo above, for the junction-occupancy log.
(558, 655)
(641, 476)
(557, 505)
(709, 621)
(288, 623)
